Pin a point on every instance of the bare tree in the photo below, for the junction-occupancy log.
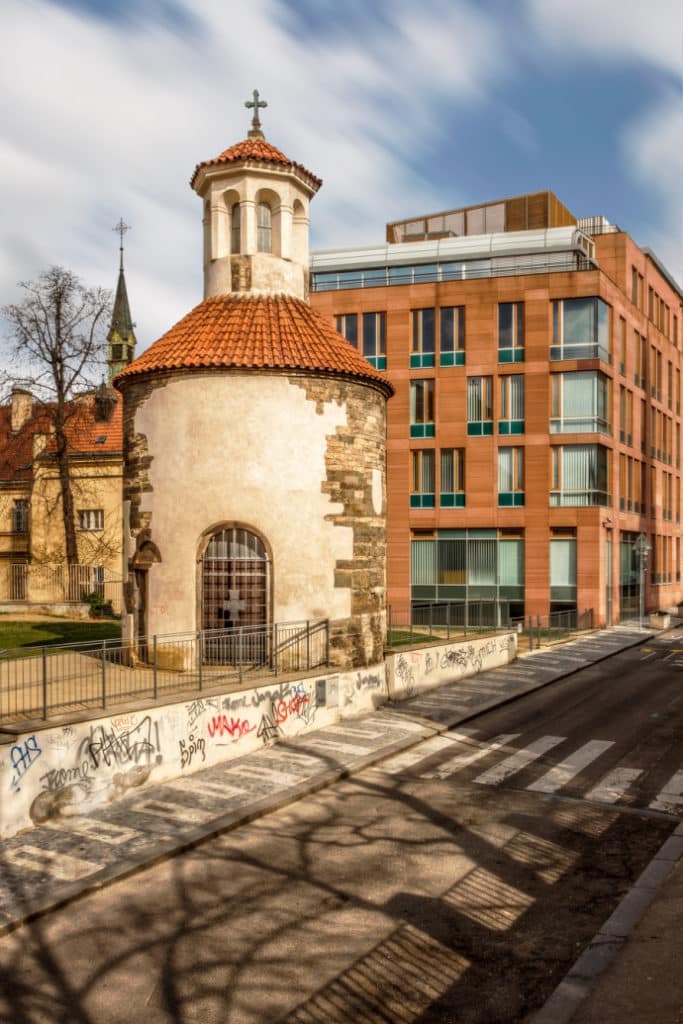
(57, 335)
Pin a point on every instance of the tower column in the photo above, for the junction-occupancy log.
(249, 226)
(286, 216)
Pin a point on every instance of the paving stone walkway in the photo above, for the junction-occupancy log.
(50, 865)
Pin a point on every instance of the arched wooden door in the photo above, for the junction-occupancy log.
(235, 587)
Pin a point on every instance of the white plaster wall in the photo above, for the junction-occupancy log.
(413, 671)
(247, 449)
(66, 770)
(269, 275)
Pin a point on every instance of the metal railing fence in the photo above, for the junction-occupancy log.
(57, 583)
(449, 620)
(547, 629)
(54, 679)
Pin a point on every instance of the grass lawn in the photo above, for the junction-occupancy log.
(421, 635)
(15, 633)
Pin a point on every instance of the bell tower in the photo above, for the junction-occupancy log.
(256, 216)
(121, 338)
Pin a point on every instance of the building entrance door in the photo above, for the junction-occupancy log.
(235, 590)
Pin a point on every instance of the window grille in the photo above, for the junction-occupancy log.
(91, 519)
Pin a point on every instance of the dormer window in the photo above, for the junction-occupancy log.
(235, 229)
(264, 235)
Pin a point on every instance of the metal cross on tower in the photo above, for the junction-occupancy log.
(255, 103)
(121, 228)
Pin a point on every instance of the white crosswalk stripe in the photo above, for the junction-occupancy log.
(494, 776)
(468, 755)
(670, 797)
(613, 786)
(565, 771)
(409, 758)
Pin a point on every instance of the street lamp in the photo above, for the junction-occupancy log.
(642, 550)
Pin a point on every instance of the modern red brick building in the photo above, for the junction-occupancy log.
(535, 431)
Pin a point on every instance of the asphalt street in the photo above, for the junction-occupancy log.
(453, 882)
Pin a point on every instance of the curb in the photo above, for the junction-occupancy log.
(194, 837)
(583, 977)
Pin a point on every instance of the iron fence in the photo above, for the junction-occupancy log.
(433, 620)
(540, 630)
(57, 583)
(45, 681)
(449, 620)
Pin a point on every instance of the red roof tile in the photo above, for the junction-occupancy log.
(83, 431)
(257, 332)
(259, 150)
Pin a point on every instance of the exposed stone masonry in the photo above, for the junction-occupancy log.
(353, 453)
(136, 482)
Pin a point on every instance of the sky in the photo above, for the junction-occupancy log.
(402, 107)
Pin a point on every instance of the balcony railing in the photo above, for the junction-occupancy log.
(579, 425)
(579, 350)
(571, 498)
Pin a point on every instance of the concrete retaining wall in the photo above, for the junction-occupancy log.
(64, 609)
(58, 771)
(411, 672)
(62, 770)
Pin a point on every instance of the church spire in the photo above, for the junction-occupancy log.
(121, 337)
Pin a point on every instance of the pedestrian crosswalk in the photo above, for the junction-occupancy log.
(547, 765)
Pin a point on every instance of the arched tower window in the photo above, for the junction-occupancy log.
(235, 228)
(264, 224)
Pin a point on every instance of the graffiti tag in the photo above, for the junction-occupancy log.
(129, 746)
(22, 756)
(235, 728)
(190, 748)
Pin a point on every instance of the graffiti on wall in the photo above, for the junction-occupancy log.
(364, 682)
(406, 675)
(22, 757)
(111, 759)
(71, 769)
(234, 728)
(190, 748)
(414, 670)
(133, 744)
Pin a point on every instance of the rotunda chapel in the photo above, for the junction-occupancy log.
(255, 435)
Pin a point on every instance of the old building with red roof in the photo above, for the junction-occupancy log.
(254, 434)
(32, 549)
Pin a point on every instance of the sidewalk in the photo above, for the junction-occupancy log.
(631, 971)
(53, 865)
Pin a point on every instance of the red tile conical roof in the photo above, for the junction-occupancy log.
(256, 149)
(277, 332)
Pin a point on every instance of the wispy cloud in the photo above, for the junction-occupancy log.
(108, 106)
(107, 117)
(646, 36)
(611, 30)
(653, 149)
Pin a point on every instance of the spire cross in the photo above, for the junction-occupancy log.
(255, 103)
(121, 228)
